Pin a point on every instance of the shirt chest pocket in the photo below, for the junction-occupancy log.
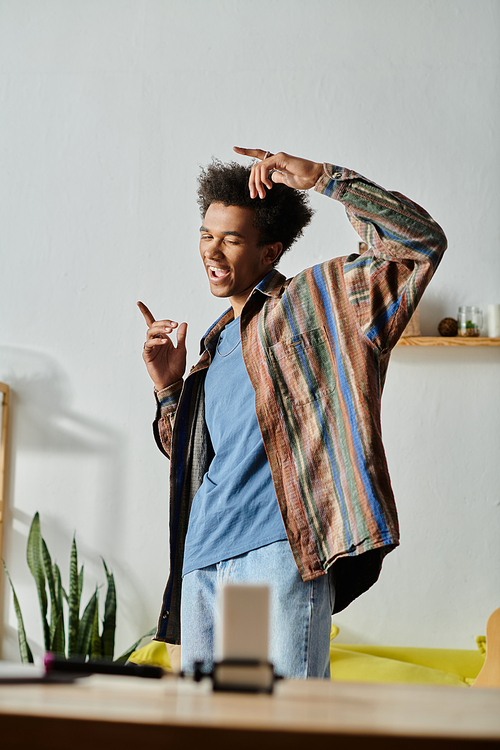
(303, 366)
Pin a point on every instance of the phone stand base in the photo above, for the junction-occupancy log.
(239, 675)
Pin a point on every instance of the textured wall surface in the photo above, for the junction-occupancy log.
(107, 109)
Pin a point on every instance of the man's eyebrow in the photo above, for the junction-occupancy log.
(232, 232)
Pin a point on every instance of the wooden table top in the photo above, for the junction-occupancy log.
(100, 711)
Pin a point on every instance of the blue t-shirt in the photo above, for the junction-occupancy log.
(236, 509)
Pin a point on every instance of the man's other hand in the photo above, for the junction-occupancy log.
(166, 363)
(293, 171)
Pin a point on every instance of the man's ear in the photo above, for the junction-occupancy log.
(273, 252)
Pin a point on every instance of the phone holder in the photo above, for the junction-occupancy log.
(239, 675)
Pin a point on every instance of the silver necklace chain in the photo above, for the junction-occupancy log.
(229, 352)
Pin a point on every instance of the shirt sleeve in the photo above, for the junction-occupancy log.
(166, 408)
(404, 248)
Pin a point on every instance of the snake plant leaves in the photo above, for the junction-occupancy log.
(60, 592)
(24, 648)
(35, 563)
(74, 600)
(47, 566)
(109, 623)
(56, 644)
(83, 638)
(58, 641)
(85, 628)
(57, 635)
(95, 640)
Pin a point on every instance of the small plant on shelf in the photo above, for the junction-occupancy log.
(81, 637)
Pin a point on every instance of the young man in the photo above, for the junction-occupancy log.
(278, 472)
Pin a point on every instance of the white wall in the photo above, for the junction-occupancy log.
(107, 109)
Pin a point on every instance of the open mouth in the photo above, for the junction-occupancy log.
(215, 274)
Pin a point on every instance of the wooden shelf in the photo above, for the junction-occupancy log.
(447, 341)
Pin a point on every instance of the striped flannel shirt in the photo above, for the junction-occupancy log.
(316, 348)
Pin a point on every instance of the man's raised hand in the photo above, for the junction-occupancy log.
(297, 173)
(166, 363)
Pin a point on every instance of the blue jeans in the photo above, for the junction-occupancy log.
(300, 612)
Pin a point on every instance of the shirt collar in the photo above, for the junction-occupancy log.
(272, 285)
(215, 329)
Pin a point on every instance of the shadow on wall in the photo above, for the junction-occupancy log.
(42, 422)
(42, 419)
(67, 453)
(76, 465)
(73, 463)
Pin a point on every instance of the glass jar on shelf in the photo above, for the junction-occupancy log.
(470, 321)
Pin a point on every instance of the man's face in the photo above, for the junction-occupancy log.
(230, 250)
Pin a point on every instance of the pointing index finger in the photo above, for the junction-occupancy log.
(146, 313)
(253, 153)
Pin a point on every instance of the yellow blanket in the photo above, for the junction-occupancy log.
(440, 666)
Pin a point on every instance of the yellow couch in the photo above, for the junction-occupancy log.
(350, 663)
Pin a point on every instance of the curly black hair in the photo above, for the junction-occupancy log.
(280, 217)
